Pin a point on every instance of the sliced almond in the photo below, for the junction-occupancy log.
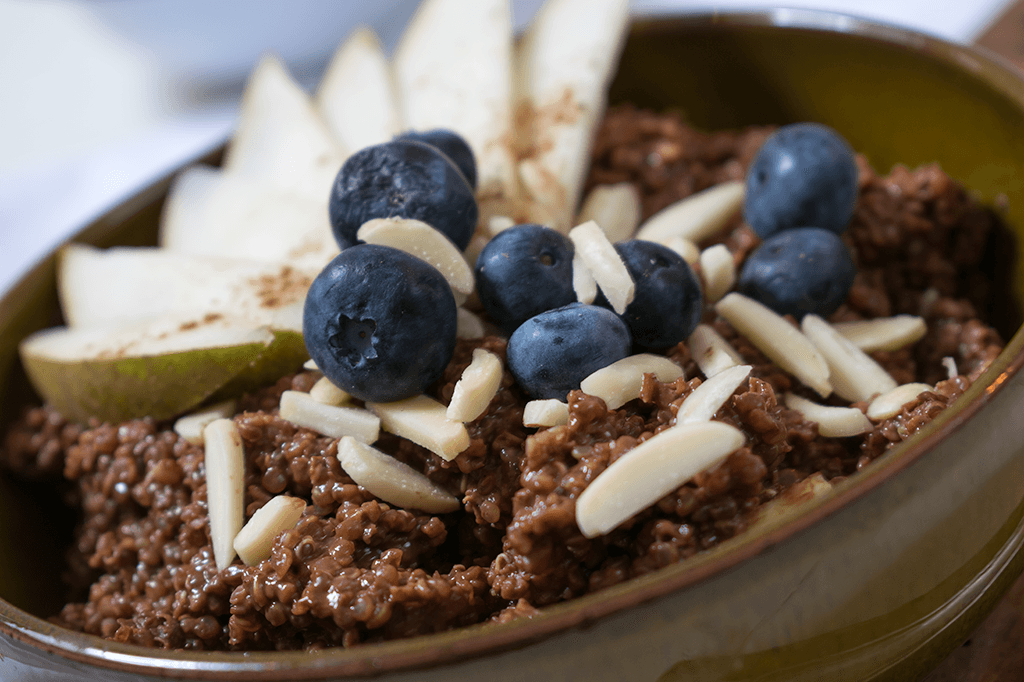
(324, 391)
(423, 241)
(833, 422)
(468, 325)
(615, 208)
(711, 352)
(254, 541)
(884, 333)
(225, 487)
(708, 398)
(889, 404)
(852, 372)
(791, 502)
(621, 381)
(696, 217)
(499, 223)
(651, 470)
(393, 481)
(310, 365)
(333, 421)
(476, 388)
(685, 248)
(604, 263)
(718, 271)
(425, 422)
(583, 282)
(544, 413)
(191, 426)
(778, 339)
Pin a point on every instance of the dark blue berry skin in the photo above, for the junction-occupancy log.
(402, 179)
(804, 174)
(523, 271)
(380, 323)
(551, 353)
(668, 300)
(806, 270)
(451, 145)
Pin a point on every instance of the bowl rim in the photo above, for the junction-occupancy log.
(487, 638)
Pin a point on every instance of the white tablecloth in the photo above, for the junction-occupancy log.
(101, 97)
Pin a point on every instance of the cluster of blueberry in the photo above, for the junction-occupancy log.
(801, 190)
(381, 324)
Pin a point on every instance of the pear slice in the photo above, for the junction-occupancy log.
(357, 94)
(281, 139)
(126, 284)
(160, 368)
(453, 69)
(564, 64)
(211, 213)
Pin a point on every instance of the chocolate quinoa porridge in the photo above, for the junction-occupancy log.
(355, 569)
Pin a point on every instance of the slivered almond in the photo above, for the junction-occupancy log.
(685, 248)
(310, 366)
(833, 422)
(542, 413)
(890, 403)
(718, 270)
(393, 481)
(423, 241)
(696, 217)
(499, 223)
(708, 398)
(476, 388)
(254, 542)
(604, 264)
(950, 364)
(582, 281)
(711, 352)
(884, 333)
(616, 208)
(330, 420)
(621, 381)
(778, 339)
(468, 325)
(324, 391)
(425, 422)
(190, 427)
(852, 372)
(791, 502)
(225, 487)
(650, 471)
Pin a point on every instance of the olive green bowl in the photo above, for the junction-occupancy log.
(879, 579)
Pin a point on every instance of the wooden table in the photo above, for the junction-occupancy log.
(995, 651)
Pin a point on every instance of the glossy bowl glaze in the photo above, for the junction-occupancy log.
(879, 579)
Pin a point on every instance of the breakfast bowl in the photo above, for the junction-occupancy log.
(878, 575)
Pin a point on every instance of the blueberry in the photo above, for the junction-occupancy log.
(523, 271)
(402, 179)
(551, 353)
(668, 301)
(804, 174)
(380, 323)
(806, 270)
(451, 145)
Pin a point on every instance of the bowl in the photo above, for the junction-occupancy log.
(879, 579)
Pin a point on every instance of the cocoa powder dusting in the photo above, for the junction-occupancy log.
(356, 570)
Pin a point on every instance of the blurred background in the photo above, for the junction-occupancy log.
(98, 98)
